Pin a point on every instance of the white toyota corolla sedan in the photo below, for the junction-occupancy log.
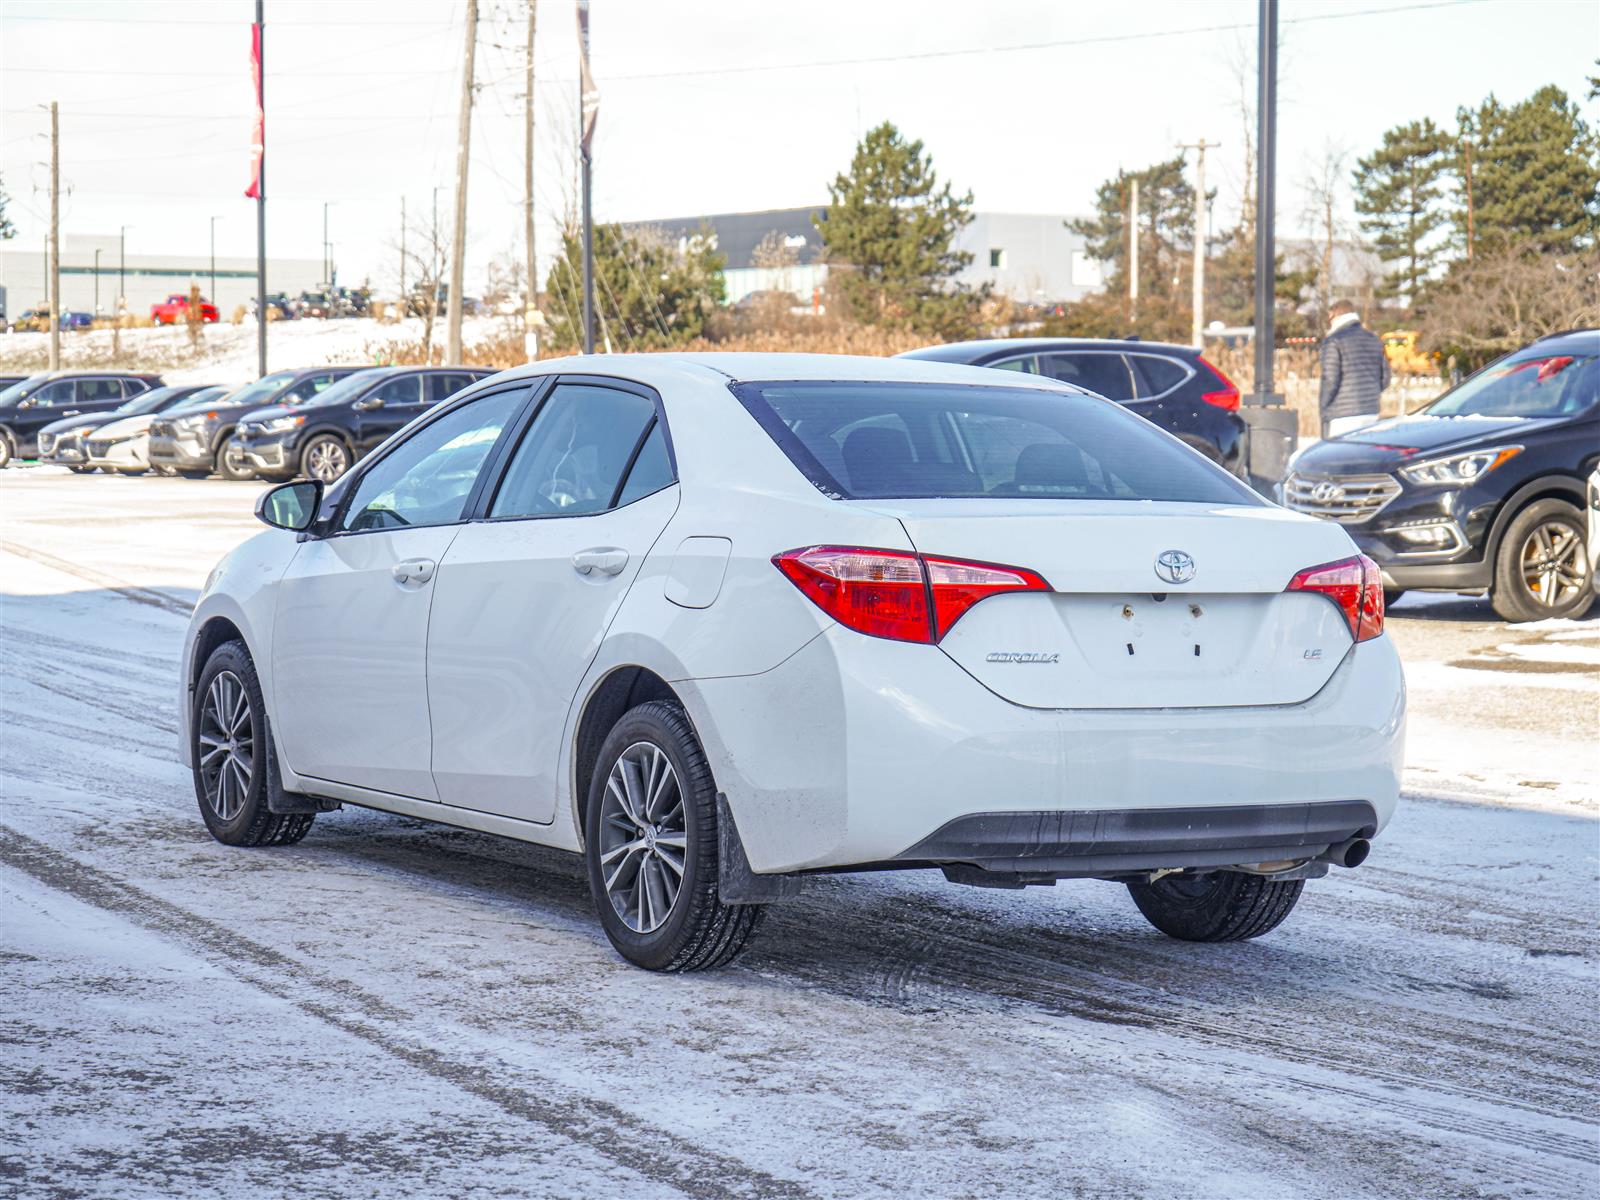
(722, 622)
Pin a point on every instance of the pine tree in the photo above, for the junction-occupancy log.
(649, 293)
(1400, 194)
(1535, 176)
(7, 229)
(890, 231)
(1166, 232)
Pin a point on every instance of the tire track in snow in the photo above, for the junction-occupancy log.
(614, 1133)
(139, 595)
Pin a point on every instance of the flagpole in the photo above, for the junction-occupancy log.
(261, 191)
(588, 106)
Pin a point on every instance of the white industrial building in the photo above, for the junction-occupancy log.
(1031, 257)
(94, 272)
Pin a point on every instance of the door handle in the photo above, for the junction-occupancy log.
(413, 570)
(606, 560)
(71, 412)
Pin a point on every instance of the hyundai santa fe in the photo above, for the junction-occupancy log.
(722, 622)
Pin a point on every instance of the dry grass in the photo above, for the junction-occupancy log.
(1296, 373)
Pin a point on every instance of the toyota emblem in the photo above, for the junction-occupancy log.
(1175, 566)
(1327, 492)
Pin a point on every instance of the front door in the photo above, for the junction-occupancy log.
(350, 697)
(525, 597)
(386, 409)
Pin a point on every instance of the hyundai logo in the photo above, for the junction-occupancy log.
(1175, 566)
(1327, 492)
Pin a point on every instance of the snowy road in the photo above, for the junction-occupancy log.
(398, 1009)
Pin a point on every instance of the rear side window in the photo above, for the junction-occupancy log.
(1104, 373)
(572, 460)
(860, 441)
(442, 387)
(1156, 376)
(98, 390)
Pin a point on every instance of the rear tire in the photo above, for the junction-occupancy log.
(652, 782)
(8, 450)
(230, 744)
(1225, 906)
(1542, 568)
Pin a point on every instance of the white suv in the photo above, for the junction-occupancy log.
(720, 622)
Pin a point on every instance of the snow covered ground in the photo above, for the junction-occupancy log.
(396, 1009)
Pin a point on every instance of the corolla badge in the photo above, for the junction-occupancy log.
(1326, 492)
(1023, 656)
(1175, 566)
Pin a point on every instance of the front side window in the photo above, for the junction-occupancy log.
(404, 392)
(426, 479)
(574, 455)
(1104, 374)
(54, 395)
(859, 441)
(1526, 385)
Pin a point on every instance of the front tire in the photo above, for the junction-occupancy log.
(650, 837)
(8, 450)
(1542, 569)
(227, 468)
(1224, 906)
(230, 744)
(325, 458)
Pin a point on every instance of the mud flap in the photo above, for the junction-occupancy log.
(285, 803)
(736, 882)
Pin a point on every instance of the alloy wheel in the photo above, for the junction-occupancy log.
(1555, 569)
(643, 837)
(326, 461)
(227, 745)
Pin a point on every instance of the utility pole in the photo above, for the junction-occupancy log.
(529, 336)
(1133, 254)
(261, 190)
(1198, 302)
(402, 256)
(1272, 425)
(1468, 144)
(55, 239)
(97, 281)
(458, 252)
(214, 221)
(589, 112)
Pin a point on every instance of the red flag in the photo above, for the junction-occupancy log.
(258, 137)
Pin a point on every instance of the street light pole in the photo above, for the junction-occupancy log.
(97, 281)
(214, 221)
(122, 266)
(326, 266)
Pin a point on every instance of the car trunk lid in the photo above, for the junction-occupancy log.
(1112, 632)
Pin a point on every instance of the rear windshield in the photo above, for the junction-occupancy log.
(861, 441)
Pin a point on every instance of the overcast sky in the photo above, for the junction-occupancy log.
(708, 105)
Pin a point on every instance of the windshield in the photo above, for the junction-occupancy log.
(18, 391)
(911, 440)
(144, 402)
(201, 399)
(342, 390)
(262, 389)
(1528, 384)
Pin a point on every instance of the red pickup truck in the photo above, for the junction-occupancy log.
(176, 310)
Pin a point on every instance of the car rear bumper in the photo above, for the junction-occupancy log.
(860, 751)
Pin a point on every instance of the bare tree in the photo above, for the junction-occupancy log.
(1504, 299)
(1323, 186)
(420, 260)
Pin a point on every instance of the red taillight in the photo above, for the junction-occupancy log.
(1355, 585)
(1228, 397)
(894, 594)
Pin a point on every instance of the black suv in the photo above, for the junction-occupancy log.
(1483, 490)
(39, 400)
(323, 436)
(194, 443)
(1172, 386)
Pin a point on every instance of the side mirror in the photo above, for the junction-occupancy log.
(368, 404)
(290, 505)
(30, 402)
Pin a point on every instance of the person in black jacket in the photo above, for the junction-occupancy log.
(1355, 371)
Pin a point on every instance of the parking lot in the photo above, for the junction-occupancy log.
(401, 1008)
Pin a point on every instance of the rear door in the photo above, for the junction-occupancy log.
(101, 395)
(350, 690)
(525, 595)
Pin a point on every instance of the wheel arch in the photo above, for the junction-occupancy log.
(620, 689)
(1555, 486)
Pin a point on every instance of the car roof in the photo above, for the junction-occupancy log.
(1568, 339)
(972, 351)
(752, 367)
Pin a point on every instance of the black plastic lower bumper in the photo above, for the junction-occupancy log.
(1092, 843)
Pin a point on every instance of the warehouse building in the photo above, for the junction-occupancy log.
(1031, 257)
(94, 272)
